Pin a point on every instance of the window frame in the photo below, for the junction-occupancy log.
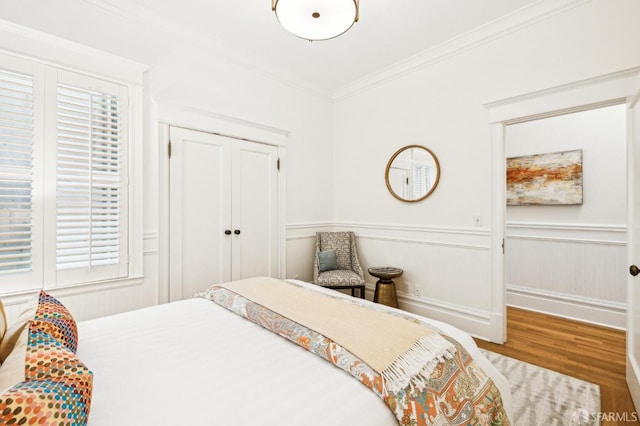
(44, 273)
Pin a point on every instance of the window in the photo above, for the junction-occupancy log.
(74, 182)
(16, 145)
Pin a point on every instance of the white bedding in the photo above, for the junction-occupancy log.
(195, 363)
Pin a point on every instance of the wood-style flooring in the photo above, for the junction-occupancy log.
(589, 352)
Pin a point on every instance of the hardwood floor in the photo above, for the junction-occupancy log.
(588, 352)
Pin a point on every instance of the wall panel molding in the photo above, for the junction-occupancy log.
(413, 247)
(150, 241)
(570, 270)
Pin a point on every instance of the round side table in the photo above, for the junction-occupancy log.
(385, 287)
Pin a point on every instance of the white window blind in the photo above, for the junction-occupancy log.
(16, 174)
(64, 178)
(89, 178)
(418, 188)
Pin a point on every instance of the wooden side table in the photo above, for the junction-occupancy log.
(385, 287)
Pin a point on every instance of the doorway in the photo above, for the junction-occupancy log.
(585, 95)
(566, 256)
(621, 87)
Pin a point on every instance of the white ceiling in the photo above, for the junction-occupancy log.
(248, 31)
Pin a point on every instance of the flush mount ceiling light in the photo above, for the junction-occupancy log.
(316, 19)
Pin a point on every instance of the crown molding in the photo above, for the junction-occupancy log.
(144, 16)
(515, 21)
(29, 43)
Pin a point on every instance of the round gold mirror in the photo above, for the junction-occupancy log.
(412, 173)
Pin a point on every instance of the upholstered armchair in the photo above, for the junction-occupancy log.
(336, 262)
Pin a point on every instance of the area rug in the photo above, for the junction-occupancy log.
(544, 397)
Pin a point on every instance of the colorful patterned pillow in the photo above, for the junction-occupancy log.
(57, 386)
(58, 320)
(47, 308)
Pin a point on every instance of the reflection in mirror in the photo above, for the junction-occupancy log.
(412, 173)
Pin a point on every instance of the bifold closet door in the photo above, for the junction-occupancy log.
(200, 211)
(223, 211)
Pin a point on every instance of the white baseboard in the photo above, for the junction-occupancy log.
(594, 311)
(477, 323)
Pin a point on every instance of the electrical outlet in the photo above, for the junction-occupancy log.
(407, 288)
(417, 291)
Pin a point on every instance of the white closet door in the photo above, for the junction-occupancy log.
(255, 210)
(200, 211)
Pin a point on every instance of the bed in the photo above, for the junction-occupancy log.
(195, 362)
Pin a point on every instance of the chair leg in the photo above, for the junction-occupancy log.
(353, 292)
(362, 292)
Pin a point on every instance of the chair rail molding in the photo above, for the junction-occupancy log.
(615, 235)
(305, 230)
(459, 237)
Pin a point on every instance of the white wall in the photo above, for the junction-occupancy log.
(440, 105)
(193, 78)
(196, 79)
(601, 134)
(570, 260)
(336, 153)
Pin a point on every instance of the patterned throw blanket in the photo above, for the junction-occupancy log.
(431, 379)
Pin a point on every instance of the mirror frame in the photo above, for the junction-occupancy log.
(393, 157)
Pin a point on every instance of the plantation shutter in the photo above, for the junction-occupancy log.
(16, 172)
(418, 188)
(91, 183)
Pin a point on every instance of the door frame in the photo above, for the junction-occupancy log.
(165, 114)
(601, 91)
(632, 367)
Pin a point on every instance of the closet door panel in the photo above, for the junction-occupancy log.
(255, 210)
(200, 211)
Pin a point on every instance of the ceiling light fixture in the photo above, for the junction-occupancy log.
(316, 19)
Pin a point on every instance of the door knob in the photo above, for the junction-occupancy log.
(237, 232)
(634, 270)
(227, 232)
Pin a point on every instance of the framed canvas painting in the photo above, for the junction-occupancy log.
(545, 179)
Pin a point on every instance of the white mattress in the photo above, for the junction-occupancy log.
(195, 363)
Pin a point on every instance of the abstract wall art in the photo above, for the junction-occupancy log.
(545, 179)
